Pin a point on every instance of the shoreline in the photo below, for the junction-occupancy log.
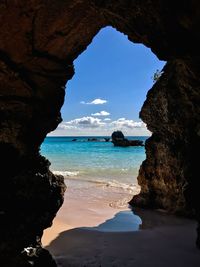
(84, 233)
(87, 205)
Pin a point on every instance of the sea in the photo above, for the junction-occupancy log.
(95, 162)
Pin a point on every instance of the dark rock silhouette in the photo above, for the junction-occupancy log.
(74, 140)
(118, 139)
(117, 135)
(93, 139)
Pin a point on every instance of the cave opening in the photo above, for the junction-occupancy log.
(112, 78)
(38, 45)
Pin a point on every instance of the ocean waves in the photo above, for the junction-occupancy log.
(66, 173)
(87, 165)
(112, 183)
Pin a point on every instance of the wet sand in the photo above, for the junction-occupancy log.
(95, 228)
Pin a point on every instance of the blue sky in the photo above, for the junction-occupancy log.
(112, 78)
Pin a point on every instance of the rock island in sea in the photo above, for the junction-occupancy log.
(118, 139)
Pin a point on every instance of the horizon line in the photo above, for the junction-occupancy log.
(91, 135)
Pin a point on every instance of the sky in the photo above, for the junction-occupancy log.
(112, 78)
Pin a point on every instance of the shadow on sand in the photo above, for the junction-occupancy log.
(160, 241)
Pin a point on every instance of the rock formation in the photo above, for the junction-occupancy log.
(118, 139)
(93, 139)
(38, 42)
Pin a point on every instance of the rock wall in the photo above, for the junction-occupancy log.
(168, 176)
(39, 39)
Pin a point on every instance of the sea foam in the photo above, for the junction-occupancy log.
(66, 173)
(74, 175)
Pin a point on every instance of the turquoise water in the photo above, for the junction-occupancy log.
(95, 161)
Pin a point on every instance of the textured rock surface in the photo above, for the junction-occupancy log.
(168, 176)
(38, 42)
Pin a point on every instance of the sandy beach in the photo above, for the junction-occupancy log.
(92, 231)
(87, 205)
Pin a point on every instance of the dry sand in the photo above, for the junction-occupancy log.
(162, 240)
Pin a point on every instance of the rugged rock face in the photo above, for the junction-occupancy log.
(168, 176)
(38, 42)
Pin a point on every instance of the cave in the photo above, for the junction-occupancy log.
(39, 42)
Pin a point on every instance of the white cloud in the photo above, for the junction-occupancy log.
(97, 101)
(89, 125)
(84, 122)
(124, 123)
(101, 113)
